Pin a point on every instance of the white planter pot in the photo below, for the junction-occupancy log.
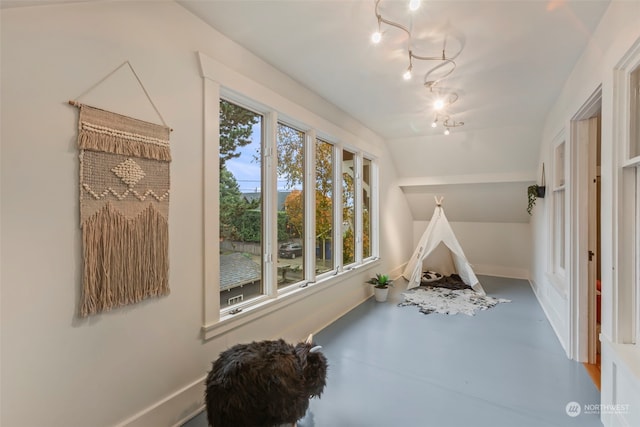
(381, 294)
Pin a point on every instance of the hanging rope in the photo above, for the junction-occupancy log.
(75, 102)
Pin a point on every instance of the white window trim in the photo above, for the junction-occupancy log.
(626, 276)
(221, 81)
(557, 274)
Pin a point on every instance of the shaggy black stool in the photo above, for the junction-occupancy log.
(264, 384)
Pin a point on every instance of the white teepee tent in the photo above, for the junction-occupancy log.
(439, 239)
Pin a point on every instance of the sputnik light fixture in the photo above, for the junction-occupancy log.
(441, 103)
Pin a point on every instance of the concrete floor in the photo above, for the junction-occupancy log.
(393, 366)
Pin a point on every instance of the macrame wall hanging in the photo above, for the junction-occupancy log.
(124, 208)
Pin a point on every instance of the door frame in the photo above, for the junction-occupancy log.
(582, 300)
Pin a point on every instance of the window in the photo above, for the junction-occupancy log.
(275, 196)
(559, 212)
(348, 208)
(291, 212)
(366, 208)
(324, 207)
(240, 204)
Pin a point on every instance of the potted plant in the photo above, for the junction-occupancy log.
(534, 192)
(381, 285)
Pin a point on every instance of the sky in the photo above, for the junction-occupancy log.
(246, 169)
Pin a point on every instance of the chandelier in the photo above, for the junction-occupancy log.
(446, 65)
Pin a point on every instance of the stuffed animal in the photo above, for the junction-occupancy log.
(264, 384)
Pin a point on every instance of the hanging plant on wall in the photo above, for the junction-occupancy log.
(534, 192)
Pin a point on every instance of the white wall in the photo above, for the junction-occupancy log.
(617, 32)
(494, 249)
(140, 365)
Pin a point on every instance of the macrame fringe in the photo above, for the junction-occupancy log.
(125, 260)
(112, 144)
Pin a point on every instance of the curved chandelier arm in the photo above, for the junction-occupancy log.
(431, 83)
(436, 58)
(449, 123)
(388, 22)
(381, 19)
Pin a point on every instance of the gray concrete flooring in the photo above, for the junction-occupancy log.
(393, 366)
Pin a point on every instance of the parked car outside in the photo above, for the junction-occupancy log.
(290, 250)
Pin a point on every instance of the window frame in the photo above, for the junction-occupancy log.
(306, 201)
(559, 243)
(334, 214)
(266, 166)
(626, 277)
(221, 82)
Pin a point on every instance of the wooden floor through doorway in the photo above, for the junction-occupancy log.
(594, 371)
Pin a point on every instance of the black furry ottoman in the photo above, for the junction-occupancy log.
(264, 384)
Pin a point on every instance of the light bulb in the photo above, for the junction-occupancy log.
(446, 131)
(438, 104)
(414, 5)
(376, 37)
(434, 124)
(407, 74)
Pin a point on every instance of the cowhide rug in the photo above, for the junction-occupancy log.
(449, 296)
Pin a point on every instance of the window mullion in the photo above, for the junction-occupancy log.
(310, 206)
(270, 206)
(337, 208)
(358, 223)
(375, 218)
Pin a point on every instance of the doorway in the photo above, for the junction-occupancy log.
(594, 275)
(585, 234)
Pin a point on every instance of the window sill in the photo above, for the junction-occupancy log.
(229, 322)
(630, 163)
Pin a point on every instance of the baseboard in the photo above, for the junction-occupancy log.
(184, 404)
(396, 273)
(500, 271)
(482, 269)
(550, 319)
(172, 411)
(190, 416)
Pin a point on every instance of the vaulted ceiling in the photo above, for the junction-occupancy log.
(512, 59)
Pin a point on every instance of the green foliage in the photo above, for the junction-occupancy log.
(381, 281)
(348, 247)
(290, 149)
(235, 129)
(532, 194)
(250, 226)
(282, 227)
(240, 219)
(232, 205)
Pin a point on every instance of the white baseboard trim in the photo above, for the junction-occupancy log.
(187, 402)
(500, 271)
(172, 411)
(550, 319)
